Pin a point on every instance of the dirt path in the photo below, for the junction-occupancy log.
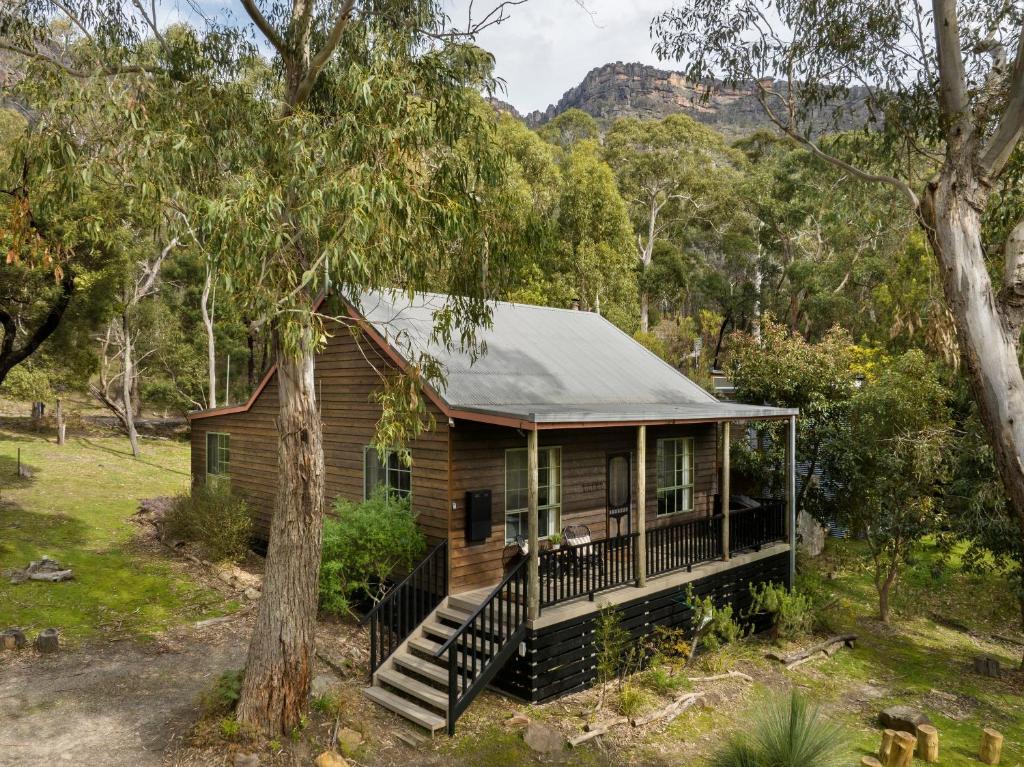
(121, 703)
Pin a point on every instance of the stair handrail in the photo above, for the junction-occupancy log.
(494, 592)
(407, 615)
(390, 595)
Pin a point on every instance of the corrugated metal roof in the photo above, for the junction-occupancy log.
(549, 365)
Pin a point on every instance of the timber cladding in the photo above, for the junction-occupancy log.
(478, 463)
(348, 372)
(561, 658)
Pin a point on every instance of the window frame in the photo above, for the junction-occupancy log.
(223, 457)
(554, 524)
(387, 470)
(676, 486)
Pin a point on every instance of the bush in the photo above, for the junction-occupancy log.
(633, 700)
(214, 518)
(364, 545)
(27, 384)
(662, 681)
(791, 734)
(222, 698)
(713, 626)
(792, 613)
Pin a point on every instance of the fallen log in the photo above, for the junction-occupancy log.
(716, 677)
(593, 731)
(671, 709)
(829, 646)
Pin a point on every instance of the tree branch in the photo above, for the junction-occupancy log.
(11, 356)
(103, 70)
(1011, 124)
(322, 56)
(953, 99)
(1011, 297)
(264, 26)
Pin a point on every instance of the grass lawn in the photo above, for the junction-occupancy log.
(75, 508)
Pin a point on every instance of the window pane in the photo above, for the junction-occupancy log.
(373, 471)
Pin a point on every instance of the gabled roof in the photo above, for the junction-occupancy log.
(543, 367)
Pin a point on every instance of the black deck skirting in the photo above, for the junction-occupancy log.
(560, 658)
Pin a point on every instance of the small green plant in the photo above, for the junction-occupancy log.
(792, 612)
(555, 539)
(661, 680)
(713, 626)
(617, 655)
(222, 698)
(792, 733)
(633, 699)
(214, 518)
(275, 746)
(326, 704)
(230, 728)
(364, 544)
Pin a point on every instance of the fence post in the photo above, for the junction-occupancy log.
(533, 526)
(640, 561)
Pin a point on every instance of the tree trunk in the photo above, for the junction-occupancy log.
(127, 376)
(211, 346)
(884, 588)
(953, 226)
(644, 311)
(62, 430)
(277, 675)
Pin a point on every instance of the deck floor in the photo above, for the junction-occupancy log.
(579, 607)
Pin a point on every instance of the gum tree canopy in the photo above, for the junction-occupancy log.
(355, 159)
(940, 92)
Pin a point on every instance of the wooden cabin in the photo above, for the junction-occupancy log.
(564, 424)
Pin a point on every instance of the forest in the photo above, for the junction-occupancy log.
(175, 198)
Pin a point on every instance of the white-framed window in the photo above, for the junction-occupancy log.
(549, 492)
(675, 475)
(392, 473)
(218, 456)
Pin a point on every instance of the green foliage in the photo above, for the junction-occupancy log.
(327, 704)
(617, 655)
(568, 128)
(364, 545)
(792, 612)
(719, 624)
(662, 680)
(230, 728)
(785, 734)
(27, 383)
(633, 700)
(222, 698)
(217, 520)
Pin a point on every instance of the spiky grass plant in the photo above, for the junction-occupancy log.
(792, 734)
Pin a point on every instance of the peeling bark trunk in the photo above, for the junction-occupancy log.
(211, 346)
(277, 675)
(953, 226)
(644, 311)
(127, 378)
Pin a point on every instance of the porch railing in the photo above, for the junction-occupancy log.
(753, 528)
(406, 605)
(484, 642)
(571, 572)
(683, 545)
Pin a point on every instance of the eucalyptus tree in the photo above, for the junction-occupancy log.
(943, 87)
(353, 162)
(676, 175)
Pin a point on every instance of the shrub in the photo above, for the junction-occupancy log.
(364, 545)
(27, 384)
(790, 734)
(792, 612)
(214, 518)
(633, 700)
(662, 681)
(713, 626)
(223, 696)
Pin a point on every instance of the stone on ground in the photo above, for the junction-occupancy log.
(349, 740)
(543, 739)
(518, 720)
(330, 759)
(246, 760)
(903, 718)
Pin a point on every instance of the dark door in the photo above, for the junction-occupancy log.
(620, 494)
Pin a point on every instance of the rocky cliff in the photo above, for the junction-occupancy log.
(639, 90)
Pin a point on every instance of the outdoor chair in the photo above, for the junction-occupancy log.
(581, 546)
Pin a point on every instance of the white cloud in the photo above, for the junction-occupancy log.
(547, 46)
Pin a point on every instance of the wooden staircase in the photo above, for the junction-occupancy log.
(413, 682)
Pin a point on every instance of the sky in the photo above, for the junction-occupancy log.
(547, 46)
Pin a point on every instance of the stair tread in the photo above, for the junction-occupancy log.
(405, 708)
(424, 668)
(414, 687)
(430, 645)
(458, 616)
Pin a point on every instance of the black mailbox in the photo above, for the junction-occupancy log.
(478, 515)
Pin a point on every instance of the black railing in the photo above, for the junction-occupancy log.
(406, 605)
(683, 545)
(485, 640)
(753, 528)
(571, 572)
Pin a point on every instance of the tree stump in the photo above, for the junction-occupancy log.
(13, 639)
(902, 753)
(888, 736)
(869, 761)
(48, 641)
(986, 665)
(928, 743)
(991, 746)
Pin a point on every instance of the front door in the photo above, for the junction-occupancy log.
(620, 494)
